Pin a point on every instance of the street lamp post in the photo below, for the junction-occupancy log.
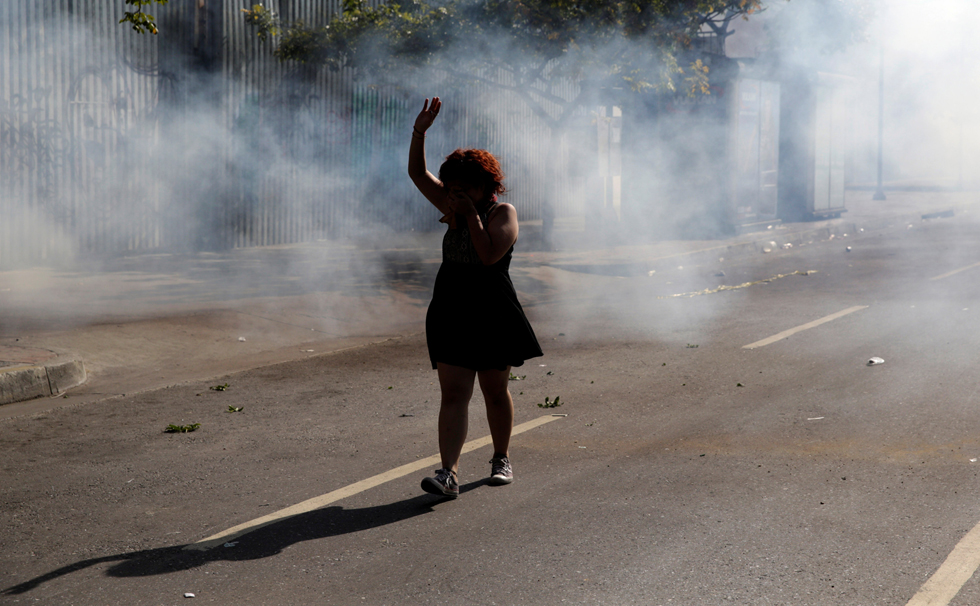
(879, 190)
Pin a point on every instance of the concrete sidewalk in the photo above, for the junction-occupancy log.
(128, 324)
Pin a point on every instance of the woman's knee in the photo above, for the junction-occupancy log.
(494, 385)
(456, 384)
(456, 394)
(456, 399)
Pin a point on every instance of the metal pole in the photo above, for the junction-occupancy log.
(879, 191)
(959, 177)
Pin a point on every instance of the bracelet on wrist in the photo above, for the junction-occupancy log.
(416, 131)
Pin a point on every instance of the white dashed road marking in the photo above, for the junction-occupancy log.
(954, 272)
(802, 327)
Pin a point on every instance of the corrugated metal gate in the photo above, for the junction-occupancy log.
(198, 138)
(68, 101)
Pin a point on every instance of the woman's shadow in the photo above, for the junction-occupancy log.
(261, 543)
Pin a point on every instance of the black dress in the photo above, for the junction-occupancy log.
(475, 320)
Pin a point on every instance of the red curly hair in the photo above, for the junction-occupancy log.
(476, 166)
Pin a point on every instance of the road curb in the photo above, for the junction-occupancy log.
(20, 383)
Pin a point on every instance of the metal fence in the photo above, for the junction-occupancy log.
(198, 138)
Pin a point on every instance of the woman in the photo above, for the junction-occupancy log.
(475, 327)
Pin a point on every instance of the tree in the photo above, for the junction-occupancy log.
(520, 46)
(140, 21)
(517, 45)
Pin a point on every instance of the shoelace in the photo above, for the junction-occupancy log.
(444, 477)
(501, 466)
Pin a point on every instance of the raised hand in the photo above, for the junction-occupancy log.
(461, 202)
(428, 115)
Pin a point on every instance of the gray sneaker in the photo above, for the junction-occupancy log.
(500, 471)
(444, 484)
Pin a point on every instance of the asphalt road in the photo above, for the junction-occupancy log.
(689, 469)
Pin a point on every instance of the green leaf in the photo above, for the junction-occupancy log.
(141, 22)
(550, 404)
(265, 20)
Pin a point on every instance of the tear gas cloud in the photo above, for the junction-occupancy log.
(931, 81)
(262, 154)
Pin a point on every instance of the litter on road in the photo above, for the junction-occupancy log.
(875, 361)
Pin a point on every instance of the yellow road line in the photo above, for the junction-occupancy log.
(954, 272)
(802, 327)
(350, 490)
(947, 581)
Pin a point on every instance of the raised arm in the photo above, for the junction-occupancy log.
(427, 183)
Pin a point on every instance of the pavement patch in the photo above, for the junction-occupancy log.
(350, 490)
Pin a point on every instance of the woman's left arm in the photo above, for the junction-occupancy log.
(492, 241)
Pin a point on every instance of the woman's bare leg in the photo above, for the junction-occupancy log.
(456, 384)
(500, 408)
